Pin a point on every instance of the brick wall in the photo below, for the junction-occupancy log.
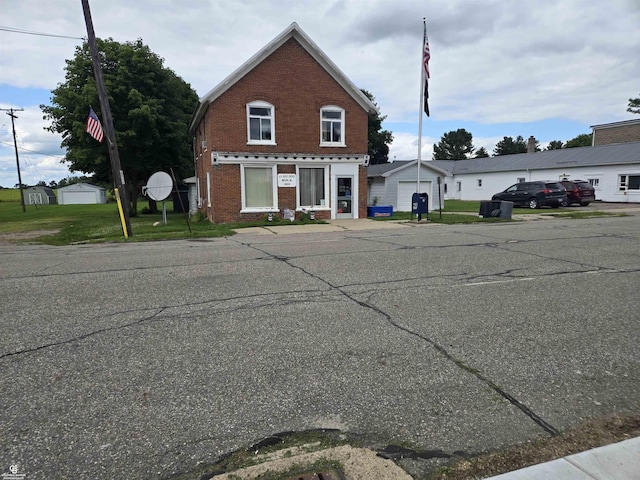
(619, 134)
(298, 87)
(292, 81)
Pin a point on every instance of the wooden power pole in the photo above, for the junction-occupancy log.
(10, 112)
(116, 169)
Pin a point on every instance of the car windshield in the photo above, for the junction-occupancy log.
(554, 185)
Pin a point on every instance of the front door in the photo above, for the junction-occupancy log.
(344, 189)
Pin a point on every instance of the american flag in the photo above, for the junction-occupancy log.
(93, 126)
(426, 56)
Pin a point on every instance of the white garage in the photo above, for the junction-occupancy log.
(395, 183)
(81, 194)
(405, 195)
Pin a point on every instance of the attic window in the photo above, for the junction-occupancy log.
(261, 123)
(332, 127)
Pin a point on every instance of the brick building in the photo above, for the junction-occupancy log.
(617, 132)
(286, 130)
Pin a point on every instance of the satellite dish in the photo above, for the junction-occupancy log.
(158, 186)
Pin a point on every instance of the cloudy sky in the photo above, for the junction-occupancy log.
(549, 68)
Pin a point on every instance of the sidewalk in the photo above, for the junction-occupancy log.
(618, 461)
(359, 224)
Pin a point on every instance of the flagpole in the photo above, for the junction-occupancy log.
(421, 105)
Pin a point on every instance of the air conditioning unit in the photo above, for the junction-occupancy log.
(203, 144)
(367, 159)
(214, 158)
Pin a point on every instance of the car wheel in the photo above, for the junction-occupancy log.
(584, 204)
(565, 203)
(533, 203)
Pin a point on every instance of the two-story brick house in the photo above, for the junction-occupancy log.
(286, 130)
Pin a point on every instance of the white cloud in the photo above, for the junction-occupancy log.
(496, 61)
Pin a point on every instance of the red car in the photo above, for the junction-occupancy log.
(579, 191)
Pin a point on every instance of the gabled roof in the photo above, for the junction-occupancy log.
(81, 186)
(295, 32)
(386, 169)
(614, 154)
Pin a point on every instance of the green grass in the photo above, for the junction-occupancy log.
(97, 223)
(68, 224)
(9, 195)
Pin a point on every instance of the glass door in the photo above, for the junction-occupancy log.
(344, 188)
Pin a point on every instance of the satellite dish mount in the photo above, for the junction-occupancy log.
(158, 188)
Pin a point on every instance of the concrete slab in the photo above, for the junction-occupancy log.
(618, 461)
(557, 470)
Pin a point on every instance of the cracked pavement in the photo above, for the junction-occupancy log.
(146, 360)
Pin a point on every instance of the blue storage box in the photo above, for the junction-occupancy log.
(380, 211)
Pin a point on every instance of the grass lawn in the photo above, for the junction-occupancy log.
(66, 224)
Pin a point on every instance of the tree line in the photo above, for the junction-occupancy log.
(458, 145)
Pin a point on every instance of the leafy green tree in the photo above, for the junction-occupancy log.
(151, 108)
(634, 105)
(582, 140)
(454, 145)
(379, 140)
(481, 153)
(554, 145)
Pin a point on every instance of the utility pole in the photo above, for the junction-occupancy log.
(116, 169)
(10, 112)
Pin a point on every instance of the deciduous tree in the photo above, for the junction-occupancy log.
(582, 140)
(151, 108)
(379, 139)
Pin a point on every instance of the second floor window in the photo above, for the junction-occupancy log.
(261, 123)
(332, 126)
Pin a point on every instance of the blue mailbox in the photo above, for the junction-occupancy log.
(419, 204)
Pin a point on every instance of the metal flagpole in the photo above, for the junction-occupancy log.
(421, 106)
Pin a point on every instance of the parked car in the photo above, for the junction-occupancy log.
(534, 194)
(579, 191)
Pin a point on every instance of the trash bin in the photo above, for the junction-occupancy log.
(491, 208)
(506, 208)
(420, 204)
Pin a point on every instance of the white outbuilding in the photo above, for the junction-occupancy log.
(81, 193)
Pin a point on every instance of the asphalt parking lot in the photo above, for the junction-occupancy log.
(147, 360)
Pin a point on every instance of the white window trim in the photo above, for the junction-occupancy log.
(274, 183)
(261, 104)
(342, 142)
(326, 189)
(623, 186)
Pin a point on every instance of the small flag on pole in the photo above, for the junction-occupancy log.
(426, 56)
(93, 126)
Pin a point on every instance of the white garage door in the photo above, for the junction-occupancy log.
(78, 198)
(406, 191)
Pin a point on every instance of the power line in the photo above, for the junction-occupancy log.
(41, 34)
(31, 151)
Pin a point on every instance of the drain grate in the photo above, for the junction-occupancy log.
(334, 475)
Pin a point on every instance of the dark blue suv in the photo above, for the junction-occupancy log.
(534, 194)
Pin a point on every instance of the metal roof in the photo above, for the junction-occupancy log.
(615, 154)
